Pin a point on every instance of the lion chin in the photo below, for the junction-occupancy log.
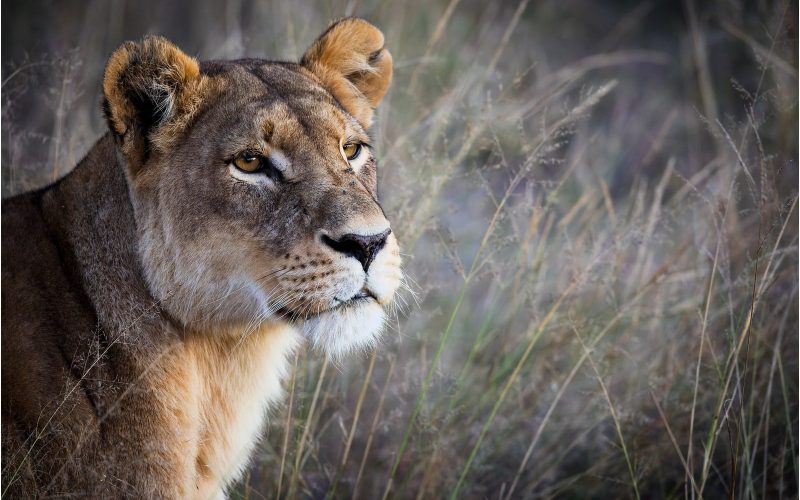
(345, 329)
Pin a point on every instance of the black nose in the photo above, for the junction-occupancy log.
(363, 248)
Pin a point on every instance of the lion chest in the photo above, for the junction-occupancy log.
(238, 376)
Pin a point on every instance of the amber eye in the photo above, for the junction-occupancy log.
(351, 150)
(248, 163)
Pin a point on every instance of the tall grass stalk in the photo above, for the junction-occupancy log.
(614, 416)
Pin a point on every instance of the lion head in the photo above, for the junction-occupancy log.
(254, 184)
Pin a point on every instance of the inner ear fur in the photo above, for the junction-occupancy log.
(151, 90)
(353, 65)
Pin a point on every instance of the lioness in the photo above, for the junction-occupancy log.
(151, 297)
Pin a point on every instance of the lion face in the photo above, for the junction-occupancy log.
(254, 185)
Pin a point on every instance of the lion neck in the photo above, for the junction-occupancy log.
(91, 214)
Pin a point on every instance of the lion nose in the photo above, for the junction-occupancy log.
(363, 248)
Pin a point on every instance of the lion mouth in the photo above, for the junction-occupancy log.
(364, 296)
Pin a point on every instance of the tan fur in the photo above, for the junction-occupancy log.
(151, 298)
(353, 65)
(230, 369)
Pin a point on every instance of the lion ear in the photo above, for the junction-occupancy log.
(147, 86)
(353, 65)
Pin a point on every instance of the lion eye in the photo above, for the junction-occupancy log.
(351, 151)
(248, 163)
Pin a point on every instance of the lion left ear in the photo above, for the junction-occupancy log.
(353, 65)
(147, 87)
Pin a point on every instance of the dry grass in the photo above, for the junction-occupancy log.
(598, 208)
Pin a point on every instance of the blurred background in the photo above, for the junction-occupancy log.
(597, 205)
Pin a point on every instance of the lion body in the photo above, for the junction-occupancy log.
(201, 396)
(152, 297)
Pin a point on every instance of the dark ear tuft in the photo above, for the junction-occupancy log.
(353, 65)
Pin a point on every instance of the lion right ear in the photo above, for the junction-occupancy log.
(353, 65)
(150, 90)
